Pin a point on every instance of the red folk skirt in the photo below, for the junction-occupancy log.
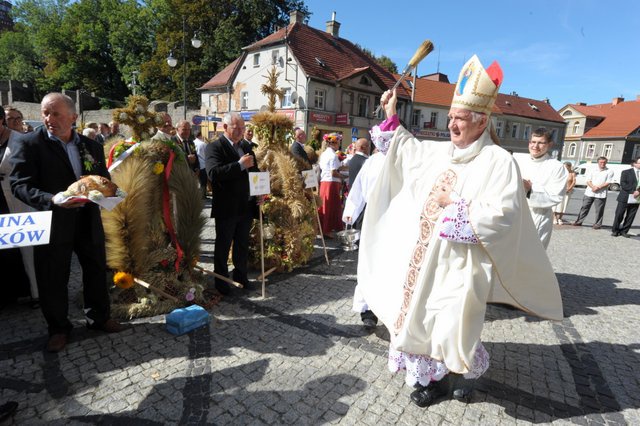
(331, 209)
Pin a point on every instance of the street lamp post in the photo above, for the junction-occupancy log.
(134, 82)
(172, 62)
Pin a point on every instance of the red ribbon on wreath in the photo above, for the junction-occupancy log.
(166, 210)
(111, 152)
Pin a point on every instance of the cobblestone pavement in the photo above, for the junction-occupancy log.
(300, 356)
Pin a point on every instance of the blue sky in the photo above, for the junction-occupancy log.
(566, 50)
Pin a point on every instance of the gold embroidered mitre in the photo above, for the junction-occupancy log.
(477, 88)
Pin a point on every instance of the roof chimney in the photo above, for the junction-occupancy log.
(295, 16)
(333, 26)
(616, 101)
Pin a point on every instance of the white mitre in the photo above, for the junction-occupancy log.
(477, 88)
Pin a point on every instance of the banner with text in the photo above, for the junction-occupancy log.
(24, 229)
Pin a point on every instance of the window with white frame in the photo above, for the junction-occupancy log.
(527, 132)
(576, 127)
(572, 149)
(318, 99)
(415, 117)
(607, 150)
(275, 54)
(244, 100)
(286, 99)
(256, 60)
(515, 127)
(591, 150)
(500, 128)
(433, 120)
(554, 135)
(363, 105)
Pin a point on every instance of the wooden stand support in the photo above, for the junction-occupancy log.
(262, 275)
(266, 274)
(156, 290)
(213, 274)
(324, 246)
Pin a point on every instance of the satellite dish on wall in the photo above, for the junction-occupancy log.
(294, 97)
(263, 108)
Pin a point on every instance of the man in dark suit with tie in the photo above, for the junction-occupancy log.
(228, 161)
(184, 141)
(625, 211)
(297, 147)
(46, 162)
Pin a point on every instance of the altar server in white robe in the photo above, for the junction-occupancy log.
(446, 230)
(354, 206)
(545, 182)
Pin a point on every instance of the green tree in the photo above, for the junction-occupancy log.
(224, 30)
(387, 63)
(19, 59)
(382, 60)
(95, 45)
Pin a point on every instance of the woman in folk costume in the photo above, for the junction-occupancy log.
(446, 230)
(330, 183)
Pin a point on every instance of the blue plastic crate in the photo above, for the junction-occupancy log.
(184, 320)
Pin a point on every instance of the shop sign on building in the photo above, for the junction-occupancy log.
(342, 118)
(320, 117)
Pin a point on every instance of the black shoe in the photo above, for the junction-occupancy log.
(461, 388)
(223, 288)
(369, 319)
(424, 396)
(7, 410)
(615, 234)
(624, 234)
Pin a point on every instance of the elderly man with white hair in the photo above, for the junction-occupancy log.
(228, 161)
(446, 230)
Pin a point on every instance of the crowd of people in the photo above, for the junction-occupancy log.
(446, 227)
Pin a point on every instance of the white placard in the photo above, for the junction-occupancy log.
(259, 183)
(310, 179)
(24, 229)
(632, 200)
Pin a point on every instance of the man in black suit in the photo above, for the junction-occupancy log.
(626, 210)
(297, 147)
(228, 161)
(184, 141)
(46, 162)
(355, 163)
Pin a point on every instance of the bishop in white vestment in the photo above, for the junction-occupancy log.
(446, 230)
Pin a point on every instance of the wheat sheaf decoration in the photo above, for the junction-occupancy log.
(138, 242)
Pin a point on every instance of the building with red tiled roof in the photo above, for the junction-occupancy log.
(331, 84)
(328, 82)
(611, 130)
